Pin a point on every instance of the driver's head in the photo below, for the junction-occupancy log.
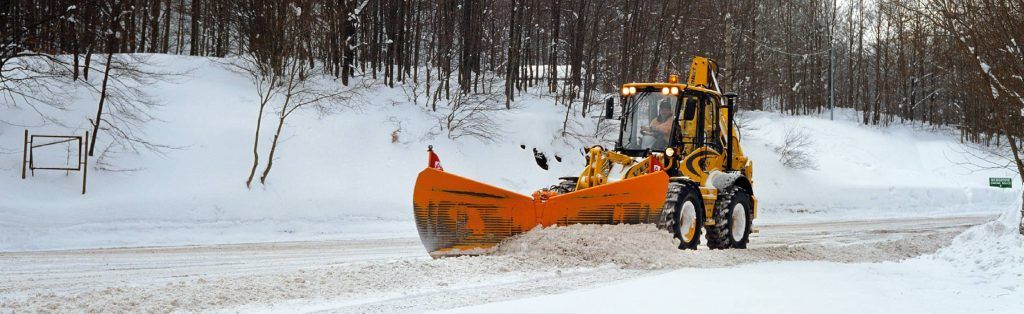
(664, 109)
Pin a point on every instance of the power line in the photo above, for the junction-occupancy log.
(786, 52)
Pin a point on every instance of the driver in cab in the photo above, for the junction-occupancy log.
(661, 125)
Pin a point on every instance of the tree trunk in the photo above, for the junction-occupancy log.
(273, 145)
(166, 48)
(194, 37)
(256, 145)
(99, 111)
(1020, 171)
(295, 75)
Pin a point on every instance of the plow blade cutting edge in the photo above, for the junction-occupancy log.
(459, 216)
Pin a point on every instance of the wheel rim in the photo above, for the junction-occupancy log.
(687, 221)
(739, 221)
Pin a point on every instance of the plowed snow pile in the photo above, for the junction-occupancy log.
(646, 247)
(992, 252)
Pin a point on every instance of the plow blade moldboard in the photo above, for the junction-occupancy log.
(631, 201)
(459, 216)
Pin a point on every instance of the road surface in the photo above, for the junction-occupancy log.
(397, 275)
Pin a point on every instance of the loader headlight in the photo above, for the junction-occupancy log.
(664, 90)
(625, 91)
(675, 91)
(670, 152)
(632, 90)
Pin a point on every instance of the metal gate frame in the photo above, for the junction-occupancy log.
(29, 146)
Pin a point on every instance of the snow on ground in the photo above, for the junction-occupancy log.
(388, 276)
(982, 270)
(777, 287)
(992, 253)
(341, 177)
(864, 171)
(335, 177)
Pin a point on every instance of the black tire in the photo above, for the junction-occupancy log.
(686, 202)
(722, 235)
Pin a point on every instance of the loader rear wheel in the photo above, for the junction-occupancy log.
(687, 220)
(733, 217)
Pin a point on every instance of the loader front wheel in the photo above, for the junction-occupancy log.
(742, 217)
(733, 217)
(687, 221)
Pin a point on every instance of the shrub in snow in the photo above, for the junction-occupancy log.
(471, 114)
(793, 152)
(745, 123)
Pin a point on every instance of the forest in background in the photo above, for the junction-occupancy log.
(938, 62)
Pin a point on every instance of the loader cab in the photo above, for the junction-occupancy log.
(648, 121)
(658, 116)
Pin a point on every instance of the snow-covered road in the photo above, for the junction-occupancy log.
(396, 275)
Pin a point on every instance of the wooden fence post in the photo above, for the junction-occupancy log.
(85, 162)
(24, 154)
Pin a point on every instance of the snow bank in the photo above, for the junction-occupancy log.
(992, 253)
(782, 287)
(866, 171)
(981, 271)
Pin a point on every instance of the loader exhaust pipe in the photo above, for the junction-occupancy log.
(730, 99)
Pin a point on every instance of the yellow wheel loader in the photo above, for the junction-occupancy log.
(677, 164)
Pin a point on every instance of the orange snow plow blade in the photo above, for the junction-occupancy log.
(459, 216)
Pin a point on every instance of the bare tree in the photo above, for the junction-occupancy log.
(989, 32)
(128, 106)
(36, 79)
(41, 83)
(793, 152)
(935, 62)
(296, 87)
(266, 82)
(286, 76)
(34, 75)
(471, 114)
(303, 88)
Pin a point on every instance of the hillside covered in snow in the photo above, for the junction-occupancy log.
(350, 173)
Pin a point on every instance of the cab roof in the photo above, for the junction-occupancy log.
(679, 85)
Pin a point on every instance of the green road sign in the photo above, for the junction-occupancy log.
(1000, 182)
